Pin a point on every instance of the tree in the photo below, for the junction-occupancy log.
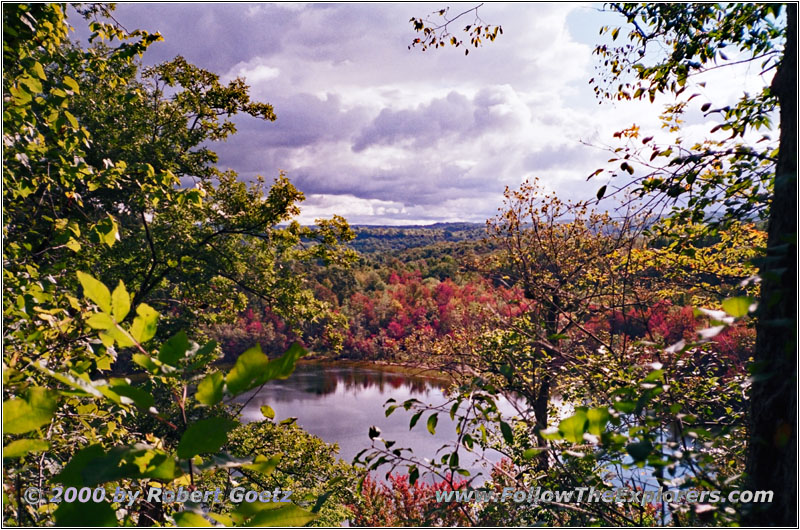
(172, 112)
(85, 196)
(563, 258)
(708, 187)
(737, 180)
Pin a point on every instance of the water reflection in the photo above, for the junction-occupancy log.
(324, 379)
(339, 403)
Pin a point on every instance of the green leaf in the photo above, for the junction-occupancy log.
(100, 321)
(95, 291)
(120, 302)
(106, 229)
(145, 362)
(624, 406)
(144, 325)
(39, 71)
(91, 514)
(205, 436)
(144, 400)
(190, 519)
(253, 368)
(528, 454)
(639, 450)
(288, 515)
(24, 415)
(550, 434)
(33, 84)
(209, 391)
(72, 473)
(573, 427)
(174, 349)
(601, 192)
(72, 120)
(122, 338)
(262, 464)
(414, 420)
(283, 366)
(93, 466)
(248, 368)
(413, 475)
(432, 421)
(598, 418)
(222, 519)
(453, 460)
(268, 412)
(737, 307)
(19, 448)
(508, 434)
(72, 84)
(653, 376)
(325, 496)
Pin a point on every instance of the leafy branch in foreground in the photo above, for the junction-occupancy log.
(436, 33)
(191, 451)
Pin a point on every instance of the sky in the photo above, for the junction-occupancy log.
(381, 134)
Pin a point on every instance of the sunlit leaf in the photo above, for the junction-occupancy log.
(190, 519)
(432, 421)
(737, 307)
(598, 418)
(144, 325)
(573, 427)
(286, 515)
(19, 448)
(120, 302)
(96, 291)
(24, 415)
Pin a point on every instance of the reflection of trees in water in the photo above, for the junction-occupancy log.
(322, 380)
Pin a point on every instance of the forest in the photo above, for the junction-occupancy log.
(643, 339)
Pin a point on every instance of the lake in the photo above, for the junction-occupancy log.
(339, 402)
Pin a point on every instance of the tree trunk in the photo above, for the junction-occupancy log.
(772, 451)
(540, 412)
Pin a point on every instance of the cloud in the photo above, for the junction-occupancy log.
(378, 133)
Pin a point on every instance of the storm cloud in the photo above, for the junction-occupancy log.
(381, 134)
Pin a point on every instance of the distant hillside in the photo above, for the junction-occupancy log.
(372, 238)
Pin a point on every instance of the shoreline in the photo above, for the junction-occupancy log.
(426, 372)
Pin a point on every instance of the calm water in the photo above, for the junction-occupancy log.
(339, 403)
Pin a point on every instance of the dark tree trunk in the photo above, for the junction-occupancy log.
(772, 451)
(540, 412)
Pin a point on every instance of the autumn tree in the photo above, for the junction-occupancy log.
(707, 187)
(563, 257)
(733, 177)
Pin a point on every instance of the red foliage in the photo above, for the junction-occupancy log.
(736, 342)
(662, 322)
(382, 321)
(266, 329)
(398, 503)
